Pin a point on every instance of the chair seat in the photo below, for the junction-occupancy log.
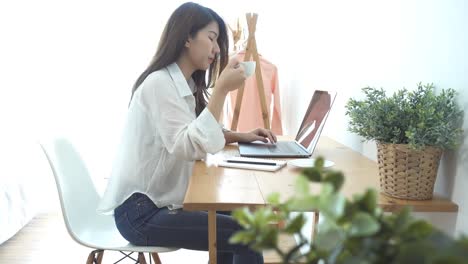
(109, 240)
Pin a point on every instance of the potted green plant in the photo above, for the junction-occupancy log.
(350, 230)
(411, 129)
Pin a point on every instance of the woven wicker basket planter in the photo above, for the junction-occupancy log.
(407, 173)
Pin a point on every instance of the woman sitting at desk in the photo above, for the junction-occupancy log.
(170, 125)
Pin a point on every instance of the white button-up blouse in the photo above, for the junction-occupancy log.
(161, 140)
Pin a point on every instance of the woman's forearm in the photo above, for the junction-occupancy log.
(232, 137)
(215, 105)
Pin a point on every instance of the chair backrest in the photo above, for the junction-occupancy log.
(78, 195)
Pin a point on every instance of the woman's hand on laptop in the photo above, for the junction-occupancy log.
(259, 134)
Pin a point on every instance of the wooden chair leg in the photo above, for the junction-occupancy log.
(100, 256)
(90, 257)
(141, 258)
(156, 258)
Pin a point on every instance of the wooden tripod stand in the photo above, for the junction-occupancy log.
(251, 51)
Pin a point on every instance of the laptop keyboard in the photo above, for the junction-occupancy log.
(283, 147)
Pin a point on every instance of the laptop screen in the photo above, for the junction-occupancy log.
(314, 119)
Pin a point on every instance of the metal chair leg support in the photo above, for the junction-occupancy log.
(126, 256)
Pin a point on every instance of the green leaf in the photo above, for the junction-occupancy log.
(296, 224)
(418, 229)
(274, 199)
(263, 217)
(319, 163)
(313, 174)
(302, 186)
(329, 239)
(402, 220)
(368, 201)
(266, 240)
(326, 191)
(326, 223)
(306, 203)
(363, 224)
(242, 237)
(336, 178)
(336, 205)
(243, 216)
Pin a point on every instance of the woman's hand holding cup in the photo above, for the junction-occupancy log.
(232, 77)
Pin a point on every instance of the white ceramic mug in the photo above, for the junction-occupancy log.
(249, 67)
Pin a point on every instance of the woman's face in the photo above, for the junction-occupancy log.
(203, 47)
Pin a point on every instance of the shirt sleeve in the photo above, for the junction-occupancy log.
(184, 135)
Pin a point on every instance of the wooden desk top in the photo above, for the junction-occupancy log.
(217, 188)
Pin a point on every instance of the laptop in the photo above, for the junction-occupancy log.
(307, 137)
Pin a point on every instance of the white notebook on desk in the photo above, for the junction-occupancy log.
(252, 163)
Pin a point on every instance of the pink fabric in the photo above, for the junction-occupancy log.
(250, 116)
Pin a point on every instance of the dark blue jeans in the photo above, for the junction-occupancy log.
(142, 223)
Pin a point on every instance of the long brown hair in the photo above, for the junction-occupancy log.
(185, 22)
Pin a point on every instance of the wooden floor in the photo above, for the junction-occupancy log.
(45, 240)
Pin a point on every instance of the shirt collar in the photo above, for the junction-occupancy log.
(184, 88)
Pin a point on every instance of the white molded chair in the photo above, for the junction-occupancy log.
(79, 199)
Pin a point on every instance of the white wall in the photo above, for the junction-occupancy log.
(393, 44)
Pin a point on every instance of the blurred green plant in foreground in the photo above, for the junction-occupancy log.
(350, 230)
